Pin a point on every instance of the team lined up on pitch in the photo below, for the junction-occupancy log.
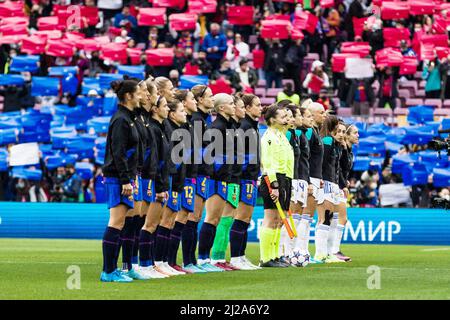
(156, 200)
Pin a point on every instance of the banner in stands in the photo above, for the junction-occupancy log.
(88, 221)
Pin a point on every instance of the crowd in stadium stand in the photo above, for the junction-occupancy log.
(276, 49)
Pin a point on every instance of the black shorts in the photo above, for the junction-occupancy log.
(285, 185)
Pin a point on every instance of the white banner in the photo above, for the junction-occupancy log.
(394, 194)
(357, 68)
(24, 154)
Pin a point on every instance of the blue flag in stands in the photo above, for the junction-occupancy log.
(59, 139)
(402, 160)
(420, 114)
(24, 63)
(3, 162)
(445, 123)
(371, 145)
(419, 135)
(105, 79)
(99, 124)
(132, 71)
(378, 129)
(110, 105)
(187, 82)
(432, 160)
(8, 136)
(62, 71)
(361, 164)
(69, 84)
(11, 80)
(393, 147)
(9, 123)
(28, 174)
(415, 174)
(85, 170)
(33, 136)
(90, 84)
(44, 86)
(441, 177)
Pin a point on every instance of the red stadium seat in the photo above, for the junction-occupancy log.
(413, 102)
(433, 102)
(273, 92)
(267, 101)
(260, 92)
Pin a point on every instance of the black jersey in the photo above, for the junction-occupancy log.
(150, 156)
(294, 140)
(162, 145)
(303, 165)
(122, 147)
(191, 166)
(221, 169)
(330, 165)
(345, 166)
(252, 147)
(236, 170)
(199, 121)
(177, 167)
(316, 153)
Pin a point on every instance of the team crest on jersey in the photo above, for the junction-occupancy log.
(175, 198)
(234, 197)
(189, 201)
(224, 190)
(249, 196)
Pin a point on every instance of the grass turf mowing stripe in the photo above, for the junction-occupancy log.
(30, 270)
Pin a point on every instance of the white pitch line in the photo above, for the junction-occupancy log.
(435, 249)
(47, 262)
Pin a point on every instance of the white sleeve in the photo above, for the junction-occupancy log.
(307, 80)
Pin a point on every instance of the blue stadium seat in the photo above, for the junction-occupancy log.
(400, 161)
(90, 84)
(62, 71)
(8, 136)
(105, 79)
(99, 124)
(415, 174)
(3, 160)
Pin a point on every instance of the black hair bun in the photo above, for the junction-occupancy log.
(116, 85)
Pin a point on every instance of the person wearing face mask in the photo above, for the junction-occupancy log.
(200, 121)
(221, 239)
(277, 162)
(220, 178)
(244, 79)
(332, 133)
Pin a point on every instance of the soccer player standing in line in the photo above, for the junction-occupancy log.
(222, 170)
(120, 169)
(332, 132)
(248, 187)
(345, 164)
(277, 161)
(199, 120)
(222, 237)
(315, 177)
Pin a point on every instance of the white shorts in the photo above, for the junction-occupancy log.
(341, 197)
(302, 194)
(330, 192)
(294, 190)
(317, 191)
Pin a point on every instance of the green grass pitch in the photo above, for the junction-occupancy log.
(37, 269)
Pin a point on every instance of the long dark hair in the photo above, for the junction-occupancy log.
(329, 126)
(270, 112)
(122, 87)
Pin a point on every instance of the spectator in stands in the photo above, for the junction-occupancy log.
(225, 72)
(153, 38)
(360, 96)
(123, 37)
(334, 33)
(244, 78)
(174, 77)
(72, 185)
(432, 75)
(21, 189)
(406, 50)
(356, 10)
(388, 78)
(288, 94)
(316, 80)
(294, 62)
(237, 51)
(373, 36)
(203, 64)
(110, 7)
(445, 74)
(274, 62)
(96, 64)
(215, 44)
(127, 21)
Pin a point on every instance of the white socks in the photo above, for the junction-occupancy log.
(332, 234)
(322, 232)
(338, 238)
(303, 231)
(284, 242)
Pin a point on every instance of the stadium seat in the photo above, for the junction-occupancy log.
(404, 93)
(260, 92)
(413, 102)
(284, 81)
(273, 92)
(344, 112)
(400, 111)
(446, 103)
(267, 101)
(442, 112)
(433, 102)
(381, 112)
(261, 83)
(419, 93)
(422, 84)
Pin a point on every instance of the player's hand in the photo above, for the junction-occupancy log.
(160, 197)
(275, 194)
(127, 189)
(321, 184)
